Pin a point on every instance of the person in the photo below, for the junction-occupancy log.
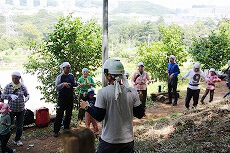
(85, 82)
(193, 90)
(228, 80)
(116, 105)
(17, 95)
(64, 85)
(173, 71)
(139, 80)
(5, 123)
(88, 118)
(210, 87)
(127, 74)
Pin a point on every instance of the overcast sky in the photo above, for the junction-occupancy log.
(188, 3)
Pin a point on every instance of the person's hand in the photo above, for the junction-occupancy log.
(84, 104)
(82, 84)
(13, 97)
(66, 85)
(167, 71)
(171, 76)
(27, 98)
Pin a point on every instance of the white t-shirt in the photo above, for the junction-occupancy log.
(194, 79)
(117, 126)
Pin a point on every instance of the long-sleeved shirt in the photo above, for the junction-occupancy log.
(139, 80)
(211, 80)
(87, 81)
(5, 123)
(173, 69)
(194, 78)
(62, 90)
(17, 105)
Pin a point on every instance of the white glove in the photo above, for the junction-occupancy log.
(27, 98)
(13, 97)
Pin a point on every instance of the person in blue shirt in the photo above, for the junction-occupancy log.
(173, 71)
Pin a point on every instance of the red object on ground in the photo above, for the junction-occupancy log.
(42, 117)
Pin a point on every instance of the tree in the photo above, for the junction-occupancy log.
(72, 40)
(213, 50)
(155, 56)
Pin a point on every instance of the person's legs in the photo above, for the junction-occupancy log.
(87, 119)
(188, 97)
(169, 92)
(228, 93)
(105, 147)
(81, 112)
(204, 96)
(19, 125)
(59, 116)
(68, 114)
(95, 126)
(211, 95)
(175, 91)
(4, 140)
(196, 94)
(144, 92)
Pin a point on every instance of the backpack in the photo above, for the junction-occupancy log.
(29, 117)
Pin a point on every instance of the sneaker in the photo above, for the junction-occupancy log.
(169, 102)
(18, 143)
(174, 104)
(56, 135)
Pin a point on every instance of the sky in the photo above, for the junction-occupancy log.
(188, 3)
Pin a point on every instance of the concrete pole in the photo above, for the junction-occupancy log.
(105, 38)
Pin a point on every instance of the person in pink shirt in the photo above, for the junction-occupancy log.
(140, 79)
(211, 80)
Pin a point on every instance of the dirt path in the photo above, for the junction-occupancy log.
(50, 144)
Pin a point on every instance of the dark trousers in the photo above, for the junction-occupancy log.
(143, 96)
(228, 93)
(4, 140)
(81, 112)
(105, 147)
(206, 93)
(192, 94)
(64, 105)
(19, 123)
(172, 86)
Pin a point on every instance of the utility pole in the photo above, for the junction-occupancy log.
(105, 54)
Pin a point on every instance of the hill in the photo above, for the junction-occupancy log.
(141, 7)
(205, 129)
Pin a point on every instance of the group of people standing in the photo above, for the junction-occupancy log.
(115, 105)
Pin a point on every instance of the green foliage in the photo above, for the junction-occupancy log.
(213, 50)
(155, 56)
(141, 7)
(72, 40)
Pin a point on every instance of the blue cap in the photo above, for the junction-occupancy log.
(85, 70)
(91, 91)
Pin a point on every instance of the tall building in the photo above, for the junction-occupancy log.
(16, 3)
(30, 3)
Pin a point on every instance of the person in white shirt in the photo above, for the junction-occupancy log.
(116, 104)
(193, 90)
